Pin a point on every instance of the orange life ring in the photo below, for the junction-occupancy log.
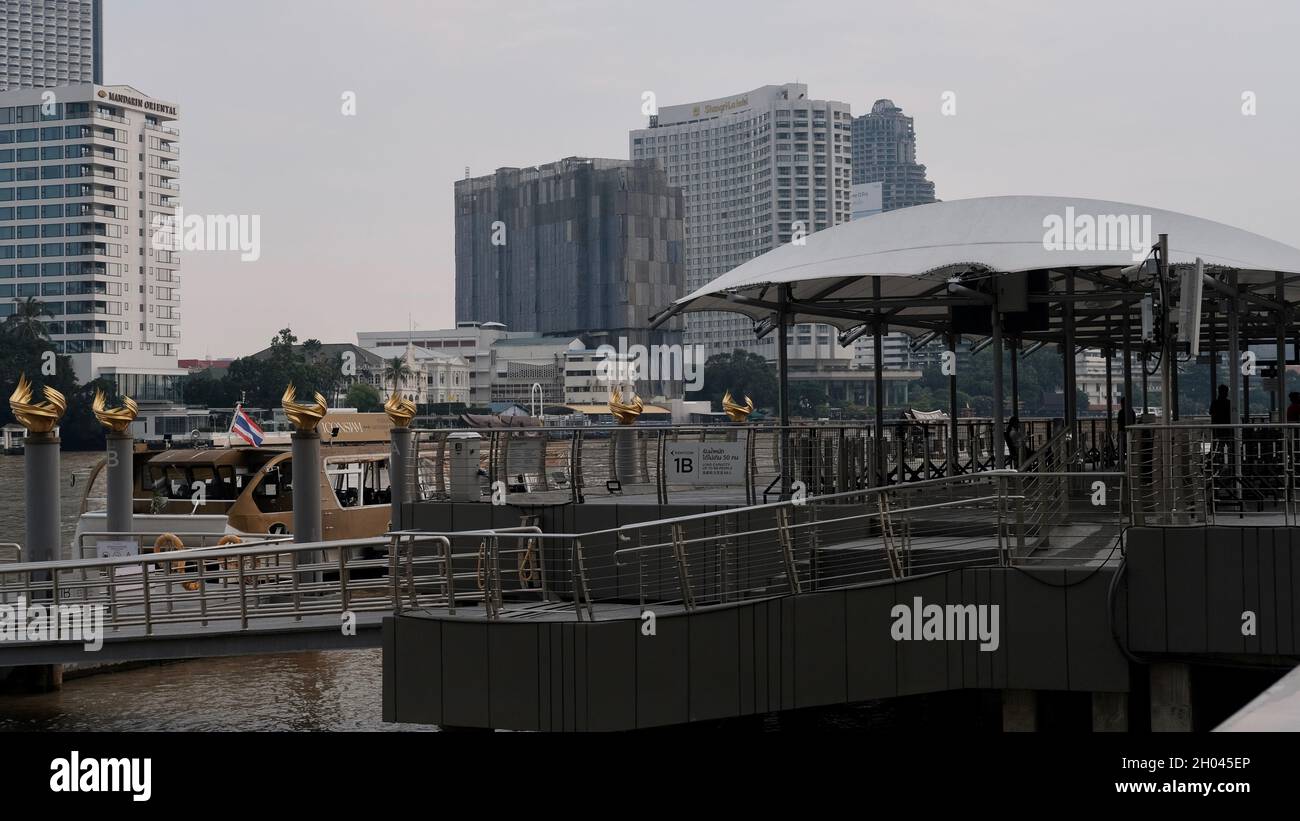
(168, 542)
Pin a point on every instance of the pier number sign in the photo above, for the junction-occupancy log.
(704, 463)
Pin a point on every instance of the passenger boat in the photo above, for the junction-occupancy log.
(247, 491)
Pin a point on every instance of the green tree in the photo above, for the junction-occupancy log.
(742, 373)
(396, 371)
(26, 323)
(363, 397)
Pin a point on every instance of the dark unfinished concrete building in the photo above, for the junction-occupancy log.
(580, 247)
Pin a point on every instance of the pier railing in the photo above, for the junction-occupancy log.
(806, 543)
(1202, 474)
(555, 464)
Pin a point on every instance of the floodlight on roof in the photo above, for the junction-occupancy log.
(848, 337)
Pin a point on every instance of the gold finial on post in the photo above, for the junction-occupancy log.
(625, 412)
(37, 417)
(736, 411)
(304, 418)
(400, 410)
(116, 420)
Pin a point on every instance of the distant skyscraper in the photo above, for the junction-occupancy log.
(582, 247)
(759, 170)
(884, 151)
(46, 43)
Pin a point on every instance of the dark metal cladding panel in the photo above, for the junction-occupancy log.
(1096, 661)
(472, 516)
(466, 674)
(1034, 629)
(1265, 554)
(1185, 589)
(976, 670)
(570, 678)
(1145, 557)
(598, 551)
(648, 568)
(714, 664)
(662, 678)
(762, 652)
(956, 649)
(611, 676)
(558, 663)
(819, 660)
(748, 655)
(922, 664)
(545, 673)
(1284, 561)
(696, 553)
(1250, 586)
(418, 689)
(389, 659)
(872, 653)
(775, 655)
(581, 676)
(786, 608)
(761, 551)
(432, 516)
(999, 661)
(515, 697)
(1224, 599)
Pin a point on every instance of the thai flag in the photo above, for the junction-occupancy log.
(245, 428)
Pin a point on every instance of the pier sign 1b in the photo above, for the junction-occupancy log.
(704, 463)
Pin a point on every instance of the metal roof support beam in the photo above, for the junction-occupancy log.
(878, 373)
(783, 387)
(1243, 294)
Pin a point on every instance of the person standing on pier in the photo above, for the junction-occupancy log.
(1221, 414)
(1293, 409)
(1123, 418)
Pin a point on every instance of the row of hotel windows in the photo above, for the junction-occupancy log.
(37, 113)
(72, 346)
(59, 249)
(97, 326)
(58, 269)
(24, 290)
(54, 192)
(58, 210)
(59, 172)
(52, 132)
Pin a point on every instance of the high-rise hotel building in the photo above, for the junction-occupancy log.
(46, 43)
(757, 169)
(84, 175)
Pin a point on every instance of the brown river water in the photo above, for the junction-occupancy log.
(297, 691)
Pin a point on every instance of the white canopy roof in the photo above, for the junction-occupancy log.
(914, 250)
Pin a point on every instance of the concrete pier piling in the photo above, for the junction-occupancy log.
(306, 486)
(1171, 698)
(121, 486)
(1019, 711)
(400, 469)
(41, 475)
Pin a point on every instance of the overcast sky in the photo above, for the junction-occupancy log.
(1136, 102)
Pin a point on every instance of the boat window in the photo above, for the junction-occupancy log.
(274, 493)
(359, 482)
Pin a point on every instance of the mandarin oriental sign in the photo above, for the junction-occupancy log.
(137, 102)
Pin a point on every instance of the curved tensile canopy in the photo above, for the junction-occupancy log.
(895, 267)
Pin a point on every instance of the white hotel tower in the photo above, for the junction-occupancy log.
(752, 167)
(84, 171)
